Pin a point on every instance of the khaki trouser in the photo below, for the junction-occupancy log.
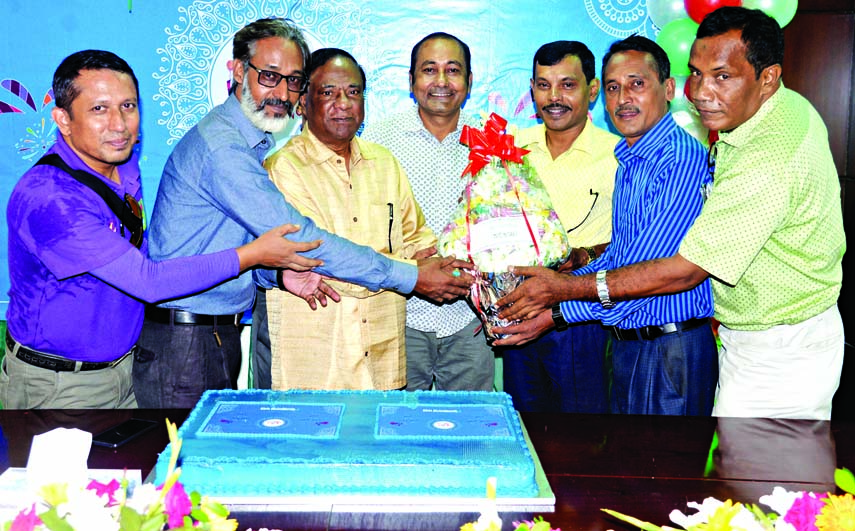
(24, 386)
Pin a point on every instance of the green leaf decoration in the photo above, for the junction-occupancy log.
(765, 520)
(130, 520)
(199, 515)
(844, 479)
(540, 524)
(646, 526)
(217, 508)
(53, 521)
(154, 523)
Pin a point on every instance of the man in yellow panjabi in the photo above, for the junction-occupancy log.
(358, 190)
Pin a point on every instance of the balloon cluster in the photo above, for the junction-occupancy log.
(678, 21)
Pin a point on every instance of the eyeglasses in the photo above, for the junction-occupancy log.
(596, 196)
(135, 224)
(268, 78)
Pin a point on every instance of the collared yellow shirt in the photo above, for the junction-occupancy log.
(580, 181)
(771, 232)
(357, 343)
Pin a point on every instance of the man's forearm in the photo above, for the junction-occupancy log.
(661, 276)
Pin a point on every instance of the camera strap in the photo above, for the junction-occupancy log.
(111, 198)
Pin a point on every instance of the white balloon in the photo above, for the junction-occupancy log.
(661, 12)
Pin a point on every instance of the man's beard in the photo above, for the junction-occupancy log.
(254, 111)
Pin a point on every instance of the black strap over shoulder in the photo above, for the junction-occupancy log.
(116, 203)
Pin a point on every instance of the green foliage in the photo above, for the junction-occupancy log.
(844, 479)
(54, 522)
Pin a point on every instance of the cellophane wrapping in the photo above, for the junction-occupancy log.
(504, 218)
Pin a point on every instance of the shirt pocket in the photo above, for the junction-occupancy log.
(386, 228)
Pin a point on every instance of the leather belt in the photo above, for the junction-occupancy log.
(656, 331)
(180, 317)
(58, 363)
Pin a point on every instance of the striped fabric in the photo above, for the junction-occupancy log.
(659, 191)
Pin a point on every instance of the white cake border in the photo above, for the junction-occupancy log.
(543, 502)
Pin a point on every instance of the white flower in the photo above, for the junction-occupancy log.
(143, 497)
(780, 500)
(744, 519)
(86, 510)
(489, 519)
(708, 507)
(781, 525)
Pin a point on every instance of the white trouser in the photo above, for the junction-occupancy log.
(787, 371)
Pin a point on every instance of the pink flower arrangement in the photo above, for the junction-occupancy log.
(109, 507)
(791, 511)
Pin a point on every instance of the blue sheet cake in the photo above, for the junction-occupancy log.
(275, 443)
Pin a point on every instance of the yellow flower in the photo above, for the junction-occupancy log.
(721, 519)
(838, 514)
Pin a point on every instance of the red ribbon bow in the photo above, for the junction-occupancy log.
(491, 142)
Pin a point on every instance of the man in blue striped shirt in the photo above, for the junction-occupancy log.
(663, 350)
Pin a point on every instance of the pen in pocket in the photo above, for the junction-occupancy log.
(391, 219)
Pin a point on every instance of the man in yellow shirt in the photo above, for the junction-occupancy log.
(357, 190)
(565, 369)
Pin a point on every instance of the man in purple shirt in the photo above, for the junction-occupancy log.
(77, 280)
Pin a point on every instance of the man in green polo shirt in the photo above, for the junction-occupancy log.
(770, 234)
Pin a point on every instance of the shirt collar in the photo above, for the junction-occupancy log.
(318, 152)
(583, 142)
(412, 122)
(252, 134)
(648, 146)
(747, 130)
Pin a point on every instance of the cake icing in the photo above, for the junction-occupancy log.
(285, 443)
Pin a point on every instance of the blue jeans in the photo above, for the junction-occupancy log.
(561, 371)
(177, 363)
(675, 374)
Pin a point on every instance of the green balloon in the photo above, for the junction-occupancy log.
(782, 11)
(676, 39)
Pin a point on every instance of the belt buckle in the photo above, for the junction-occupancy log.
(669, 328)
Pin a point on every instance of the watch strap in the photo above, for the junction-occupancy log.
(603, 290)
(558, 318)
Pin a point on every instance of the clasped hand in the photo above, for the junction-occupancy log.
(530, 304)
(443, 279)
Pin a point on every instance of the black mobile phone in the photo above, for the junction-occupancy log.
(122, 433)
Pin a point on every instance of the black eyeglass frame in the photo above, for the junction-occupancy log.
(290, 81)
(596, 196)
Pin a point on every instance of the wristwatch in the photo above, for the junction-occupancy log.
(603, 290)
(558, 318)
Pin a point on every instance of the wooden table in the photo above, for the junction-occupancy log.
(645, 466)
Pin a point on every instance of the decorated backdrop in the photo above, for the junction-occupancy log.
(180, 51)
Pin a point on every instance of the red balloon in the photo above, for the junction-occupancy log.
(698, 9)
